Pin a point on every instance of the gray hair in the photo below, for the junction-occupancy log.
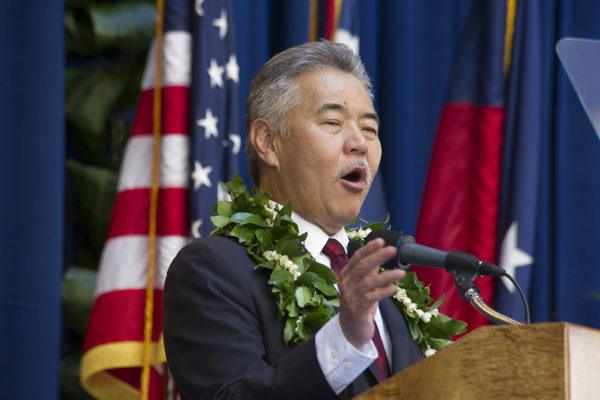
(273, 91)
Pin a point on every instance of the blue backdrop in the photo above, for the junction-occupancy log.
(32, 164)
(408, 48)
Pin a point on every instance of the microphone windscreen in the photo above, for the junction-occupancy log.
(390, 238)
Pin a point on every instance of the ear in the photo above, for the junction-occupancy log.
(263, 137)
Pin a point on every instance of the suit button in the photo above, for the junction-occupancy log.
(349, 365)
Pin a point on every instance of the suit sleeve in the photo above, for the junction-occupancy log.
(213, 340)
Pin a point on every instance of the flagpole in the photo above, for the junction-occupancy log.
(156, 128)
(511, 9)
(313, 20)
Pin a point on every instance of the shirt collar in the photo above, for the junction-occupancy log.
(316, 237)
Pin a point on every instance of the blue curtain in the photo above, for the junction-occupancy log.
(31, 209)
(408, 49)
(566, 285)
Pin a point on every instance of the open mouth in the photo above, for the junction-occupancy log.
(355, 179)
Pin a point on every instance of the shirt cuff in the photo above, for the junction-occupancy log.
(340, 361)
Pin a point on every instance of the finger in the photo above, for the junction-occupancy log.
(382, 279)
(376, 295)
(373, 282)
(368, 263)
(368, 248)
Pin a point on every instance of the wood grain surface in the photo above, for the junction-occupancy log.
(502, 362)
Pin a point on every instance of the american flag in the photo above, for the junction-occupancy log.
(199, 146)
(215, 129)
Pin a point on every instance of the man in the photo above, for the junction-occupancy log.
(313, 141)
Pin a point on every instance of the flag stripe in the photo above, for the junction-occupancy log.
(177, 61)
(174, 167)
(122, 305)
(130, 213)
(462, 201)
(124, 262)
(174, 112)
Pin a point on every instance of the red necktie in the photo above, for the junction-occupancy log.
(338, 258)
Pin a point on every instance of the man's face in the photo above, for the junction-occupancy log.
(332, 151)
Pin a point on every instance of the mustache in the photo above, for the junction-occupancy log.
(347, 167)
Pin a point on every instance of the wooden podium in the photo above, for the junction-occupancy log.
(538, 361)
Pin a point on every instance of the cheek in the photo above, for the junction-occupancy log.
(375, 157)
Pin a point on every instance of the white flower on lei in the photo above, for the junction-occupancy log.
(400, 294)
(271, 255)
(426, 317)
(412, 307)
(429, 352)
(359, 234)
(284, 261)
(271, 208)
(298, 323)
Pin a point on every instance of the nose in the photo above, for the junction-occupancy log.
(356, 143)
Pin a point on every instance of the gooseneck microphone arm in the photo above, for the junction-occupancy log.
(463, 266)
(470, 292)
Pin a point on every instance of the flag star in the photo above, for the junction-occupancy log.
(209, 123)
(346, 37)
(216, 74)
(235, 139)
(511, 257)
(200, 175)
(232, 69)
(221, 23)
(195, 231)
(199, 9)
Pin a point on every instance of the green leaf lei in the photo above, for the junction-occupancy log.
(303, 288)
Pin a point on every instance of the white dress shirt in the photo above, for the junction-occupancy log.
(340, 361)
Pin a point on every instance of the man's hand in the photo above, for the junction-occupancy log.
(362, 287)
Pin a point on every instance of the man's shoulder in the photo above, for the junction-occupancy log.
(208, 253)
(216, 244)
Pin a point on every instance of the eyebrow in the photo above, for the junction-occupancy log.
(338, 107)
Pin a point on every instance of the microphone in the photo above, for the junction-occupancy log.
(409, 252)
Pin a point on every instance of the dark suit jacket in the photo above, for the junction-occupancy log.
(223, 337)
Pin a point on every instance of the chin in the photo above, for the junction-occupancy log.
(346, 215)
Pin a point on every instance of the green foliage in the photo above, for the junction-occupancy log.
(126, 26)
(303, 288)
(439, 330)
(298, 282)
(92, 190)
(77, 297)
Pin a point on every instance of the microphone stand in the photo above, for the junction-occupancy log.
(465, 284)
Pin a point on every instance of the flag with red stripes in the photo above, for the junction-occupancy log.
(460, 204)
(198, 130)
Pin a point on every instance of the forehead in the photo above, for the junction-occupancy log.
(332, 86)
